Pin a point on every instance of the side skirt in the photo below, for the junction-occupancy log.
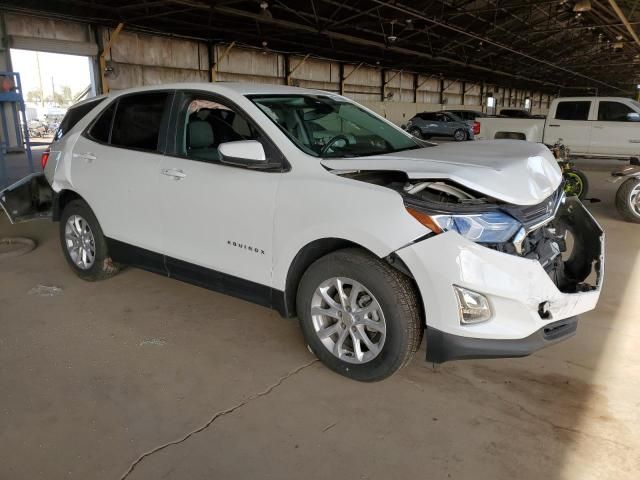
(197, 275)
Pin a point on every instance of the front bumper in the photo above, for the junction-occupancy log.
(515, 287)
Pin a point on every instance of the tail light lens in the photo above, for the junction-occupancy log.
(476, 128)
(44, 159)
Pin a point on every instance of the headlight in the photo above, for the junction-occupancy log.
(492, 227)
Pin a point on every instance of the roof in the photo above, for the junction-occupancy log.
(551, 45)
(241, 88)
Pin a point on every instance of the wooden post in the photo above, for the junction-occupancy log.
(343, 77)
(214, 69)
(103, 57)
(288, 65)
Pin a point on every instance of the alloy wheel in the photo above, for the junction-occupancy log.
(634, 199)
(80, 242)
(348, 320)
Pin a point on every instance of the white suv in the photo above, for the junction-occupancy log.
(305, 202)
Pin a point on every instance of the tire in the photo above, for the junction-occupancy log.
(628, 200)
(389, 297)
(101, 267)
(416, 132)
(576, 183)
(460, 135)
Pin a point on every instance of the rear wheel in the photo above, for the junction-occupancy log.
(359, 316)
(416, 132)
(83, 243)
(460, 135)
(628, 200)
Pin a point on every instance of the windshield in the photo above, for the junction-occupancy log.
(329, 127)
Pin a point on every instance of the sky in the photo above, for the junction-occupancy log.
(70, 70)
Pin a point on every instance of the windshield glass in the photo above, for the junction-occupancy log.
(329, 127)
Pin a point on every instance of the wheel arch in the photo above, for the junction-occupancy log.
(60, 200)
(510, 136)
(316, 249)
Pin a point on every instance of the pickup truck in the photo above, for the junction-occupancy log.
(588, 126)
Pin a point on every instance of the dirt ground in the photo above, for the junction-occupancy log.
(97, 375)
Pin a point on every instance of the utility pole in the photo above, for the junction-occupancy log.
(40, 78)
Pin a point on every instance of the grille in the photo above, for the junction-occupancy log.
(533, 215)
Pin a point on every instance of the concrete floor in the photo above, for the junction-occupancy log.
(96, 376)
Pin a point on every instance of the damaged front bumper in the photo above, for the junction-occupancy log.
(530, 306)
(28, 199)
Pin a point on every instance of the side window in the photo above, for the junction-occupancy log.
(573, 110)
(73, 116)
(138, 119)
(207, 124)
(101, 129)
(613, 112)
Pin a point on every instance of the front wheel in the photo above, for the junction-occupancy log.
(628, 200)
(460, 135)
(575, 183)
(359, 316)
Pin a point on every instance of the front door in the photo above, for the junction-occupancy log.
(616, 130)
(219, 218)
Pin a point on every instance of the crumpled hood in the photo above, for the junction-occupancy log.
(513, 171)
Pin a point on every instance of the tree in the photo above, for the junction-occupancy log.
(35, 96)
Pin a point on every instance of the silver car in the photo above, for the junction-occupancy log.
(439, 124)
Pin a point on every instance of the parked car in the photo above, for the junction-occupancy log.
(439, 124)
(306, 202)
(469, 116)
(588, 126)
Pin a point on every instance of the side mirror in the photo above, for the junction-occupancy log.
(247, 153)
(633, 117)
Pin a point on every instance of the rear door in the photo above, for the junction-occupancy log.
(570, 124)
(616, 131)
(116, 167)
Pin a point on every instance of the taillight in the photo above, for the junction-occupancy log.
(476, 128)
(44, 159)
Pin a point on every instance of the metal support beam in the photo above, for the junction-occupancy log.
(214, 69)
(624, 20)
(103, 57)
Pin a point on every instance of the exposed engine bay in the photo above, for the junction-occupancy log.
(558, 232)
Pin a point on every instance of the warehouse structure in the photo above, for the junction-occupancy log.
(396, 58)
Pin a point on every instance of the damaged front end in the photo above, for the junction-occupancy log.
(558, 232)
(28, 199)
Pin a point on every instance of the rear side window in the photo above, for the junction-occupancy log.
(101, 129)
(138, 119)
(578, 110)
(613, 112)
(73, 116)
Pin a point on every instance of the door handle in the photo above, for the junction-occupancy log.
(599, 127)
(554, 125)
(174, 173)
(86, 156)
